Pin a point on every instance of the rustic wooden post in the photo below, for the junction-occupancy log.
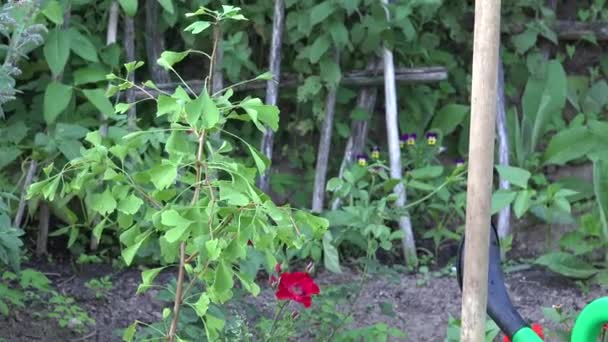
(318, 194)
(155, 44)
(394, 152)
(29, 178)
(129, 45)
(272, 86)
(481, 161)
(504, 216)
(358, 131)
(110, 39)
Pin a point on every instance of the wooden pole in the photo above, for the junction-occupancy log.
(481, 159)
(318, 192)
(408, 241)
(272, 86)
(504, 217)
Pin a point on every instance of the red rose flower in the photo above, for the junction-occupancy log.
(605, 327)
(297, 286)
(538, 329)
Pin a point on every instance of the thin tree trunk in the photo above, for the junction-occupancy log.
(155, 44)
(103, 127)
(359, 128)
(272, 86)
(43, 228)
(392, 129)
(29, 177)
(318, 195)
(129, 44)
(504, 217)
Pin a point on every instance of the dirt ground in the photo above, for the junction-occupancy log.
(421, 310)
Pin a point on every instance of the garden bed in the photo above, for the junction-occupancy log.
(421, 308)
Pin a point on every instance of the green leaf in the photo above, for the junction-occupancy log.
(57, 50)
(98, 229)
(524, 41)
(449, 117)
(166, 104)
(9, 154)
(330, 72)
(202, 304)
(103, 203)
(130, 204)
(129, 253)
(73, 236)
(542, 101)
(198, 27)
(82, 46)
(567, 265)
(54, 12)
(98, 98)
(167, 5)
(501, 199)
(133, 65)
(232, 196)
(318, 48)
(129, 6)
(515, 175)
(331, 259)
(213, 249)
(210, 114)
(223, 278)
(173, 218)
(522, 202)
(129, 333)
(261, 162)
(178, 144)
(427, 172)
(569, 144)
(57, 97)
(169, 58)
(147, 277)
(94, 138)
(260, 113)
(320, 12)
(90, 74)
(163, 175)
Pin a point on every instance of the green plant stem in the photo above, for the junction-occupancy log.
(430, 194)
(275, 319)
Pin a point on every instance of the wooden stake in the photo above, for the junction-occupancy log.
(359, 128)
(481, 159)
(155, 44)
(318, 194)
(272, 86)
(31, 172)
(129, 45)
(504, 217)
(394, 153)
(43, 228)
